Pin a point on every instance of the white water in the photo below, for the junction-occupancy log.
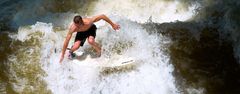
(153, 75)
(142, 11)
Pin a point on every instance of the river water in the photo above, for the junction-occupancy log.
(179, 47)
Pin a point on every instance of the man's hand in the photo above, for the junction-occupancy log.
(116, 26)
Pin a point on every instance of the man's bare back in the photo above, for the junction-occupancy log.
(82, 28)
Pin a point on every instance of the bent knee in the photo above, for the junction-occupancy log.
(76, 44)
(91, 41)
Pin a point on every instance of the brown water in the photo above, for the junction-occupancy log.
(203, 50)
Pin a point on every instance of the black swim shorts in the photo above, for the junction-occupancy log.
(83, 35)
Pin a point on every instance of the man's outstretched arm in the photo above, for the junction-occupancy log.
(69, 35)
(105, 18)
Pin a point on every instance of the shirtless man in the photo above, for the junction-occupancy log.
(85, 29)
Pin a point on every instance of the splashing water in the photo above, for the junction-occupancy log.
(142, 11)
(153, 73)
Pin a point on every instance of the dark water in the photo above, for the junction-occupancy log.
(205, 50)
(209, 60)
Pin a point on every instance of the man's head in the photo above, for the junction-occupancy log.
(78, 20)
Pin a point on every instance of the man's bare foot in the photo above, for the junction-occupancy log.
(71, 55)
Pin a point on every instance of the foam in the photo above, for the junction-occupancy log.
(144, 11)
(153, 75)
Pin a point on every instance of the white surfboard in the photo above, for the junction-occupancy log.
(118, 63)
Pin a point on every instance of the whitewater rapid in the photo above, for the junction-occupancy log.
(153, 74)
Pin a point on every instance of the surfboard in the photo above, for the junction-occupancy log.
(116, 62)
(119, 61)
(78, 54)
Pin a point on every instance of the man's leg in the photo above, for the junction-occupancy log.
(75, 46)
(92, 42)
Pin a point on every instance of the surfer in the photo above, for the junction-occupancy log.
(86, 29)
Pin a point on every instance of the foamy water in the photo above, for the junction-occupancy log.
(143, 11)
(153, 73)
(29, 57)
